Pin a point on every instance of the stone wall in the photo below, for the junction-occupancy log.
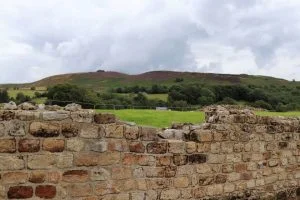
(86, 156)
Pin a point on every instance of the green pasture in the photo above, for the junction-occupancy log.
(157, 118)
(161, 119)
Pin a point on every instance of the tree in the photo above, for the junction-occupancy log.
(65, 93)
(20, 98)
(4, 98)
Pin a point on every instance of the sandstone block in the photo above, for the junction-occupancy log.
(197, 158)
(148, 134)
(104, 118)
(89, 131)
(75, 144)
(98, 146)
(44, 129)
(16, 128)
(7, 145)
(45, 191)
(118, 145)
(54, 145)
(199, 192)
(64, 160)
(100, 174)
(11, 162)
(75, 176)
(20, 192)
(114, 131)
(79, 190)
(54, 176)
(191, 147)
(157, 147)
(45, 161)
(86, 159)
(55, 115)
(176, 146)
(203, 169)
(70, 129)
(180, 160)
(29, 145)
(37, 177)
(170, 194)
(131, 132)
(137, 147)
(164, 160)
(119, 173)
(86, 116)
(181, 182)
(14, 177)
(214, 190)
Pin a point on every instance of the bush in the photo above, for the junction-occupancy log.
(262, 104)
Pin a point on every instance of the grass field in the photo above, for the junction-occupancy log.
(166, 118)
(157, 118)
(13, 93)
(163, 97)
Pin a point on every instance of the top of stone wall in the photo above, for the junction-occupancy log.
(213, 114)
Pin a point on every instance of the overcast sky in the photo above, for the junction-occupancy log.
(42, 38)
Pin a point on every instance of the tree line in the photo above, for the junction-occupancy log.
(278, 98)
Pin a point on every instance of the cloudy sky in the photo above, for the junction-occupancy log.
(43, 38)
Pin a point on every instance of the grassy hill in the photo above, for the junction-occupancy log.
(103, 81)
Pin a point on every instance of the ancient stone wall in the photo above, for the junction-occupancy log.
(86, 156)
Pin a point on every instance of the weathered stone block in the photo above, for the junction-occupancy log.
(15, 128)
(54, 145)
(180, 160)
(75, 176)
(79, 190)
(176, 146)
(97, 146)
(7, 145)
(170, 194)
(64, 160)
(90, 131)
(191, 147)
(75, 144)
(137, 147)
(120, 173)
(157, 147)
(197, 158)
(9, 162)
(70, 129)
(114, 131)
(45, 191)
(29, 145)
(37, 177)
(20, 192)
(55, 115)
(148, 134)
(131, 132)
(100, 174)
(14, 177)
(104, 118)
(44, 129)
(181, 182)
(45, 161)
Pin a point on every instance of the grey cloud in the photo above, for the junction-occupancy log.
(138, 36)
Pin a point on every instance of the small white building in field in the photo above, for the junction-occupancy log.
(161, 108)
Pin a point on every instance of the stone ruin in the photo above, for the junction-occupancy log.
(71, 153)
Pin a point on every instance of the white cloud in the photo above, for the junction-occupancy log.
(41, 38)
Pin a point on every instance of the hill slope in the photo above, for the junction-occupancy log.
(100, 81)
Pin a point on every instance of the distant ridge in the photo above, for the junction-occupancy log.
(110, 79)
